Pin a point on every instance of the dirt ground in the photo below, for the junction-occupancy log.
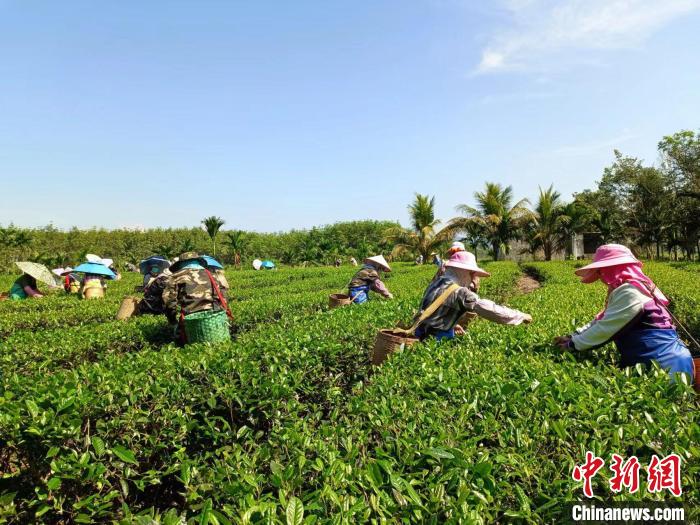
(527, 284)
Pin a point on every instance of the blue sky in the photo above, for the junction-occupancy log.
(277, 115)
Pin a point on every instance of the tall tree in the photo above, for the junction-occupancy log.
(607, 215)
(423, 237)
(500, 220)
(548, 223)
(236, 241)
(680, 155)
(680, 160)
(212, 225)
(642, 193)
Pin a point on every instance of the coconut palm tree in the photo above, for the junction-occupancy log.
(548, 223)
(212, 225)
(236, 241)
(422, 237)
(494, 216)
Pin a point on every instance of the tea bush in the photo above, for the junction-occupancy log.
(288, 423)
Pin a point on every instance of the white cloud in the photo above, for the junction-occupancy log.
(544, 29)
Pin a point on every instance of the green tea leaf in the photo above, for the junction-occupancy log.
(124, 454)
(295, 511)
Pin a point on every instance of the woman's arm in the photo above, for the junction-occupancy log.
(500, 314)
(625, 304)
(379, 287)
(31, 292)
(496, 313)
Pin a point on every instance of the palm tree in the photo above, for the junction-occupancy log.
(212, 225)
(579, 221)
(236, 241)
(494, 216)
(422, 238)
(548, 223)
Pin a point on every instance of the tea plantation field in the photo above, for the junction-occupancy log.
(106, 421)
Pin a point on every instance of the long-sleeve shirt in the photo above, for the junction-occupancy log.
(368, 276)
(190, 290)
(628, 309)
(458, 303)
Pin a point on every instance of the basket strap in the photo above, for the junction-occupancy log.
(221, 297)
(437, 303)
(675, 319)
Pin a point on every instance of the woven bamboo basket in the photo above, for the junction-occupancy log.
(96, 292)
(207, 327)
(336, 300)
(127, 308)
(4, 296)
(696, 373)
(388, 342)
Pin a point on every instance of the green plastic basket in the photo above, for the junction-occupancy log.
(207, 326)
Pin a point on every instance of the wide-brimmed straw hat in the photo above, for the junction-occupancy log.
(380, 260)
(466, 261)
(188, 257)
(605, 256)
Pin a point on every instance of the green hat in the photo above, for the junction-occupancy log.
(185, 258)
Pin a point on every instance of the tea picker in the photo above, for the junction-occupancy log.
(446, 300)
(152, 267)
(369, 278)
(195, 301)
(71, 282)
(636, 315)
(26, 285)
(92, 285)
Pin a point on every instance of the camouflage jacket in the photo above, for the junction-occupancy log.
(190, 291)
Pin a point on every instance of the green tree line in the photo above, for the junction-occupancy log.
(321, 245)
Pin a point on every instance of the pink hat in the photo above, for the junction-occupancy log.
(466, 261)
(605, 256)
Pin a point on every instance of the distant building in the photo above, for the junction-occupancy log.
(583, 246)
(591, 242)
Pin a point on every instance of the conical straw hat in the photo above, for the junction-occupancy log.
(380, 260)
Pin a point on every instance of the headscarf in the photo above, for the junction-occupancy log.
(615, 276)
